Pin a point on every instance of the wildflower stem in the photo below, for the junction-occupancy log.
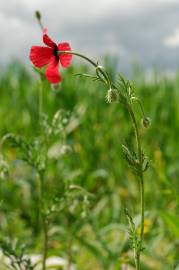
(140, 105)
(98, 68)
(142, 216)
(42, 191)
(136, 134)
(45, 247)
(141, 184)
(44, 220)
(40, 102)
(138, 248)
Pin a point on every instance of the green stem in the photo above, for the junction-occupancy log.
(141, 185)
(45, 245)
(140, 105)
(40, 103)
(42, 192)
(142, 199)
(44, 221)
(94, 64)
(138, 249)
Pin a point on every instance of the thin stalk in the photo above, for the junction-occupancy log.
(42, 192)
(142, 199)
(94, 64)
(40, 108)
(141, 185)
(138, 249)
(44, 221)
(140, 105)
(45, 244)
(40, 103)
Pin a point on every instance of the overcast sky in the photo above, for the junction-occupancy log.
(142, 31)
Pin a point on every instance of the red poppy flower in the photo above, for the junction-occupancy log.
(41, 56)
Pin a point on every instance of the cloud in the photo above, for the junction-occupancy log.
(133, 30)
(173, 39)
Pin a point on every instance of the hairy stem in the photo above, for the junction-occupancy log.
(141, 185)
(94, 64)
(42, 192)
(44, 221)
(138, 249)
(40, 103)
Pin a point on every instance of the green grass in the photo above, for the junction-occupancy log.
(96, 163)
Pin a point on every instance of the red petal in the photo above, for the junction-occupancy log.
(47, 40)
(52, 72)
(40, 56)
(65, 59)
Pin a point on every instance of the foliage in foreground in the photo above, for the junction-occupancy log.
(94, 135)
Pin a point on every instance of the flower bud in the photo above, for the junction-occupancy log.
(38, 15)
(146, 122)
(111, 95)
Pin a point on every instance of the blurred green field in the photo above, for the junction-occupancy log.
(96, 163)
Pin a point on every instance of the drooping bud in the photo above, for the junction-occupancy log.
(38, 15)
(112, 95)
(146, 122)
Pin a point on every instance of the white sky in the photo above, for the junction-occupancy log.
(146, 31)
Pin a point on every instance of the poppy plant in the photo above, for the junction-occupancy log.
(49, 55)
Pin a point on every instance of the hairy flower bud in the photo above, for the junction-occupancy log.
(38, 15)
(111, 95)
(146, 122)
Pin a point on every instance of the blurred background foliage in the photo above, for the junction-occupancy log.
(99, 239)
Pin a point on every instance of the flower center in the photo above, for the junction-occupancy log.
(55, 53)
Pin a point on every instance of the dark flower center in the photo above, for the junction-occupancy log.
(55, 53)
